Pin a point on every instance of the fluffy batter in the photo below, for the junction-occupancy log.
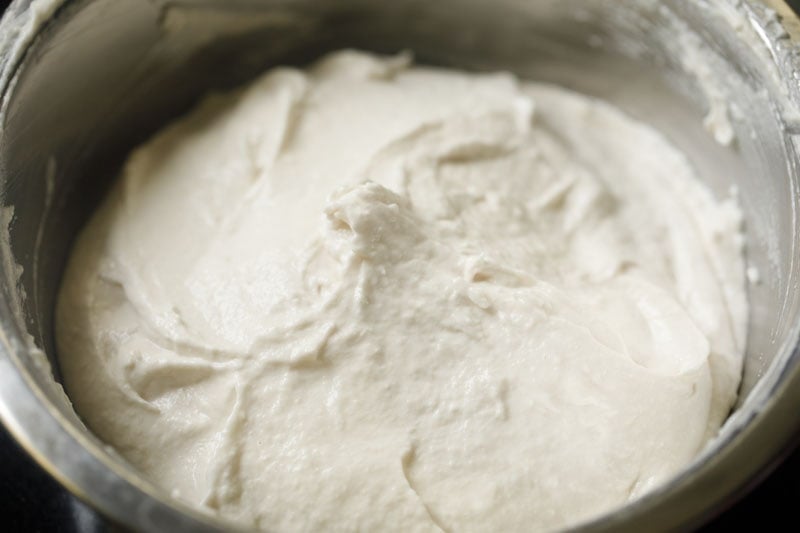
(370, 296)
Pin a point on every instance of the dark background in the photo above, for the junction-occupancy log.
(31, 501)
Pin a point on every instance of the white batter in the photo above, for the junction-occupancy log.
(374, 297)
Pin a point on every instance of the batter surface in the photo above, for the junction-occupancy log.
(370, 296)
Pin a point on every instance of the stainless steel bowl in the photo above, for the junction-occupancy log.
(96, 77)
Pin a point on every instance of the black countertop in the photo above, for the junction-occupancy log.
(31, 501)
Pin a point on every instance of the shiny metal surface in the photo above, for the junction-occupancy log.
(102, 75)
